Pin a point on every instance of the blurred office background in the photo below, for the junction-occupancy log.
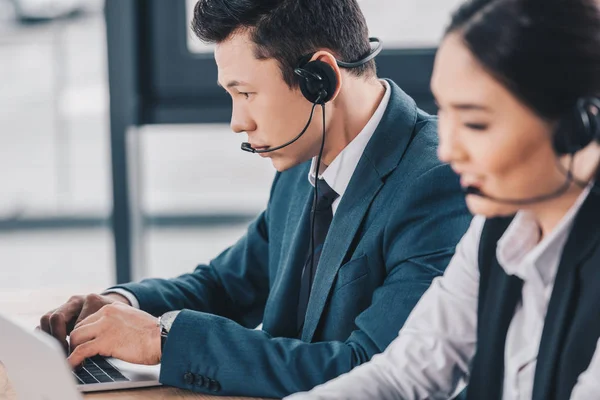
(55, 164)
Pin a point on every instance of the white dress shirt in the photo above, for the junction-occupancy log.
(340, 171)
(127, 294)
(430, 358)
(337, 175)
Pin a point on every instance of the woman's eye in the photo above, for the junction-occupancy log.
(245, 94)
(476, 127)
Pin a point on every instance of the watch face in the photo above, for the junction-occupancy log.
(166, 321)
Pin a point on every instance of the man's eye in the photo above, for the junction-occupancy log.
(245, 94)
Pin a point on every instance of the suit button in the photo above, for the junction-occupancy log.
(188, 378)
(214, 386)
(199, 380)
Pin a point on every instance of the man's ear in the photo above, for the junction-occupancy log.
(328, 58)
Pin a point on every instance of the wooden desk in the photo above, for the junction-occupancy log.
(28, 306)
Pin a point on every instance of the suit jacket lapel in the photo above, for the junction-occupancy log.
(382, 155)
(582, 240)
(285, 288)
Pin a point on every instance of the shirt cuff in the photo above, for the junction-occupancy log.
(127, 294)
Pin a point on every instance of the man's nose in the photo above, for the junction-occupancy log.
(241, 121)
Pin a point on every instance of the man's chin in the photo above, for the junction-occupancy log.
(280, 165)
(283, 164)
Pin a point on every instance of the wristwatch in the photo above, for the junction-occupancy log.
(165, 322)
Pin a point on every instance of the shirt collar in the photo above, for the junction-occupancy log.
(340, 171)
(519, 252)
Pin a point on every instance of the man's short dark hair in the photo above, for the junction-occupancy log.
(287, 30)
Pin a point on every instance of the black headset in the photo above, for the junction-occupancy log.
(318, 80)
(579, 127)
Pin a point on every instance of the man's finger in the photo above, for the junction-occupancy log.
(90, 319)
(62, 317)
(45, 322)
(84, 334)
(86, 350)
(58, 329)
(90, 307)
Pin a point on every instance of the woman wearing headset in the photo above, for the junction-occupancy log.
(517, 313)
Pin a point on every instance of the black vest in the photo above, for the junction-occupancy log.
(572, 325)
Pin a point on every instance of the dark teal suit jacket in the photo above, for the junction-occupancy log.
(394, 231)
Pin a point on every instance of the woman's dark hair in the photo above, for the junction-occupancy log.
(287, 30)
(546, 52)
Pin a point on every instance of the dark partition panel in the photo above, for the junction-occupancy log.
(155, 79)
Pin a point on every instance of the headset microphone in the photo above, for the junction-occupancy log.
(531, 200)
(248, 147)
(523, 202)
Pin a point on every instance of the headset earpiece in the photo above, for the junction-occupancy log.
(318, 81)
(579, 127)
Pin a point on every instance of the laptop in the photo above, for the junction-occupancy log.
(37, 368)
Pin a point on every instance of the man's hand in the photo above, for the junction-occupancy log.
(119, 331)
(60, 322)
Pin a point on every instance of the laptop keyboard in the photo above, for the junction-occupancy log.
(97, 370)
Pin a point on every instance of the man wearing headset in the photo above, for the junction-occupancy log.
(332, 286)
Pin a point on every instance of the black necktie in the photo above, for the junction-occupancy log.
(323, 214)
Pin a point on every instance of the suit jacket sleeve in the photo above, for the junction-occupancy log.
(417, 245)
(234, 285)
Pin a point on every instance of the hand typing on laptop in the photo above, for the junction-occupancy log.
(60, 321)
(105, 325)
(119, 331)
